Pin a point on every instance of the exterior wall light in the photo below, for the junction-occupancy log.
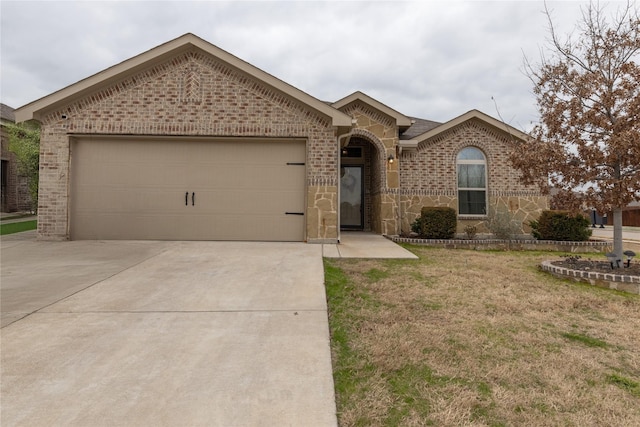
(391, 158)
(629, 255)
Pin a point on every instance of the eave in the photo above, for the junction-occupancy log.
(35, 109)
(402, 121)
(412, 144)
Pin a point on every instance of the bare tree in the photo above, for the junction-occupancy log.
(588, 94)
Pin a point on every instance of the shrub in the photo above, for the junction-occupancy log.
(502, 225)
(416, 226)
(561, 226)
(438, 223)
(471, 231)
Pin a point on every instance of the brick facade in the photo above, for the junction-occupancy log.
(190, 90)
(191, 94)
(428, 177)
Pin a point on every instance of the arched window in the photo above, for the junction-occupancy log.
(472, 182)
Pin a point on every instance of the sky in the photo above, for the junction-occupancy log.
(434, 60)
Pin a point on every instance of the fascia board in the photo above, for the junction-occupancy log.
(401, 119)
(157, 54)
(32, 110)
(463, 118)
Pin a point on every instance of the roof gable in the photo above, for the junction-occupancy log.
(412, 144)
(7, 113)
(37, 108)
(402, 121)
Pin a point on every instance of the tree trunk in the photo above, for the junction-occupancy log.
(617, 232)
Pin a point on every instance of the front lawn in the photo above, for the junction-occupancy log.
(17, 227)
(479, 338)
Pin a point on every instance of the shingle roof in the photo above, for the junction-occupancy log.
(6, 113)
(419, 127)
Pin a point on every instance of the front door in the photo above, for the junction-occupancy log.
(351, 197)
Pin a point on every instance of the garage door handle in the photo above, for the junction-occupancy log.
(193, 199)
(186, 199)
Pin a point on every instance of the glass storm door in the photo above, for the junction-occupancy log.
(351, 197)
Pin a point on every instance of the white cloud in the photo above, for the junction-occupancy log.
(434, 60)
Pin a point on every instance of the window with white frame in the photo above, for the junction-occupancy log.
(472, 182)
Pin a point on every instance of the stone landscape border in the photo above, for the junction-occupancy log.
(591, 246)
(612, 280)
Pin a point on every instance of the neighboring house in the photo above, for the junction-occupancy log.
(630, 215)
(14, 189)
(188, 142)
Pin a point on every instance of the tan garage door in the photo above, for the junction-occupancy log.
(177, 189)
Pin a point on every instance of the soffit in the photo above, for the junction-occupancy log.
(35, 109)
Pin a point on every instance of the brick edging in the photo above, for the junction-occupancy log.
(516, 244)
(399, 239)
(594, 275)
(618, 282)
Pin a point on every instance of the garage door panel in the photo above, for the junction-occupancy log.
(225, 227)
(282, 176)
(139, 227)
(152, 200)
(235, 190)
(247, 203)
(139, 201)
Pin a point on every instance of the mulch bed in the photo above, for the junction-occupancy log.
(578, 263)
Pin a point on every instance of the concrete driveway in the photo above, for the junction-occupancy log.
(164, 334)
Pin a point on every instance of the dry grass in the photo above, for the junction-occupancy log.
(463, 338)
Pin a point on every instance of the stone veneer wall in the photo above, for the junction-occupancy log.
(381, 131)
(521, 209)
(322, 202)
(191, 94)
(428, 177)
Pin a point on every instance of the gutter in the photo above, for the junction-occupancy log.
(410, 146)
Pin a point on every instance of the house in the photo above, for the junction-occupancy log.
(188, 142)
(14, 189)
(630, 215)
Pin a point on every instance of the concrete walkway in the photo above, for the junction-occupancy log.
(358, 244)
(164, 334)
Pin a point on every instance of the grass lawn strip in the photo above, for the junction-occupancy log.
(479, 338)
(18, 227)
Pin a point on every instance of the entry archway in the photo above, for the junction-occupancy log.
(362, 179)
